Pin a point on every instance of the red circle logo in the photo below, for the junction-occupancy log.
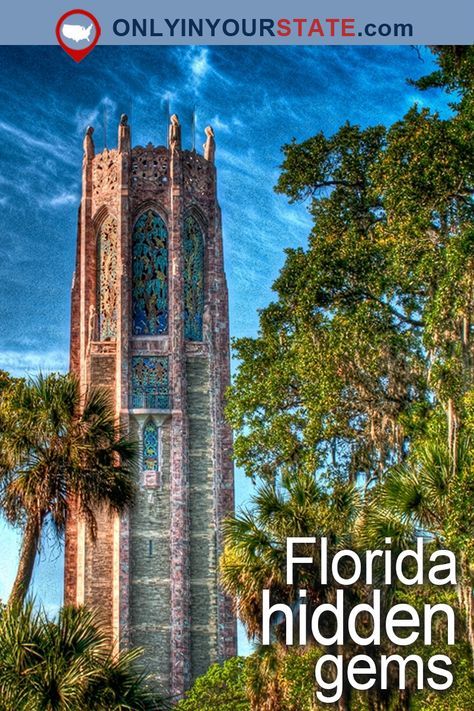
(78, 32)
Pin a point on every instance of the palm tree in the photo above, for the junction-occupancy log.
(430, 493)
(66, 665)
(254, 558)
(57, 447)
(255, 540)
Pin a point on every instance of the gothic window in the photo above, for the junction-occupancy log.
(193, 279)
(150, 386)
(150, 276)
(107, 279)
(151, 452)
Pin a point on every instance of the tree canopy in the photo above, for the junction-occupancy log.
(357, 391)
(371, 328)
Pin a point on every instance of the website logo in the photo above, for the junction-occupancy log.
(78, 32)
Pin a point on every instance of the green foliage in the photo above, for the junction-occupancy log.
(66, 665)
(297, 675)
(221, 687)
(371, 326)
(455, 71)
(282, 679)
(52, 445)
(459, 697)
(5, 381)
(255, 540)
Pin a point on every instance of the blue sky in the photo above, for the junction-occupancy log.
(256, 98)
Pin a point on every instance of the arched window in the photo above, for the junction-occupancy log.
(193, 279)
(151, 445)
(150, 276)
(107, 279)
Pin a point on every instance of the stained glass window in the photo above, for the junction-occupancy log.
(150, 276)
(193, 279)
(107, 280)
(150, 388)
(150, 446)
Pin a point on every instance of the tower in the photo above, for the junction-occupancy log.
(150, 325)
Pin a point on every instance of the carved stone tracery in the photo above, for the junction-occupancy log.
(105, 174)
(149, 167)
(198, 176)
(107, 279)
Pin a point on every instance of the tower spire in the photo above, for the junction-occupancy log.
(88, 144)
(174, 133)
(210, 144)
(168, 118)
(124, 135)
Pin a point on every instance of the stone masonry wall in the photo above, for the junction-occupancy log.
(203, 558)
(150, 570)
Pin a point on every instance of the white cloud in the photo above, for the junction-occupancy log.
(24, 363)
(64, 198)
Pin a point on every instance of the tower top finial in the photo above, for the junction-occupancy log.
(174, 136)
(88, 144)
(210, 144)
(124, 142)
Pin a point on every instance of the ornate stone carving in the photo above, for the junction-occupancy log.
(107, 279)
(198, 177)
(103, 347)
(196, 349)
(174, 133)
(149, 168)
(105, 175)
(152, 345)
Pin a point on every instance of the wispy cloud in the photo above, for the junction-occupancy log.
(21, 363)
(96, 115)
(64, 198)
(56, 148)
(220, 125)
(199, 62)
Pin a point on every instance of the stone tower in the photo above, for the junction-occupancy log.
(150, 324)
